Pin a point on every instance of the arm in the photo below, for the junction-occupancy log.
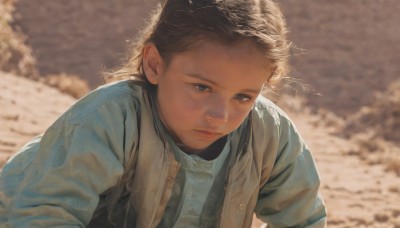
(78, 158)
(290, 196)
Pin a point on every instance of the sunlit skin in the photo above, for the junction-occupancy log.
(206, 93)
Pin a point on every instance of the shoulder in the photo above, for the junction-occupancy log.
(117, 92)
(114, 101)
(268, 115)
(273, 130)
(272, 127)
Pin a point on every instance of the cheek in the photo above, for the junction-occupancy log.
(192, 107)
(186, 106)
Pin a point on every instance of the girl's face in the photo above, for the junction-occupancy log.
(206, 93)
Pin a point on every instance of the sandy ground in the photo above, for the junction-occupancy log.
(356, 194)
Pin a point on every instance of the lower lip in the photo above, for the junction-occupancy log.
(207, 135)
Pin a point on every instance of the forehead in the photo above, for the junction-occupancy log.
(240, 61)
(244, 47)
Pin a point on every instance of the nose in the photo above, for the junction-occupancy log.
(218, 112)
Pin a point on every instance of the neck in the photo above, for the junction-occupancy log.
(209, 153)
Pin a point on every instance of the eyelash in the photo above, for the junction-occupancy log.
(242, 98)
(202, 88)
(246, 99)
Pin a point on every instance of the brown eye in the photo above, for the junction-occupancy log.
(201, 88)
(243, 98)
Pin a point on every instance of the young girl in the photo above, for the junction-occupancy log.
(187, 141)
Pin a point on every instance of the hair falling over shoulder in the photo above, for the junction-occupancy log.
(177, 26)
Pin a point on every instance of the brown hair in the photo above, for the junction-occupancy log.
(180, 25)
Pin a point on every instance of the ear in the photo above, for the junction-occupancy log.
(152, 63)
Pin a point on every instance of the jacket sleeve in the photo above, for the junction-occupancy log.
(290, 196)
(78, 158)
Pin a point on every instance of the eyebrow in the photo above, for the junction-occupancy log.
(198, 76)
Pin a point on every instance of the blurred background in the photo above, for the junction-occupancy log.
(344, 90)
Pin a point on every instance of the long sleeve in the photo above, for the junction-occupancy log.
(57, 180)
(290, 196)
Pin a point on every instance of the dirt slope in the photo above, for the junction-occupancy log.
(357, 194)
(80, 37)
(351, 50)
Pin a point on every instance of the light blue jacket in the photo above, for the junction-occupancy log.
(105, 161)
